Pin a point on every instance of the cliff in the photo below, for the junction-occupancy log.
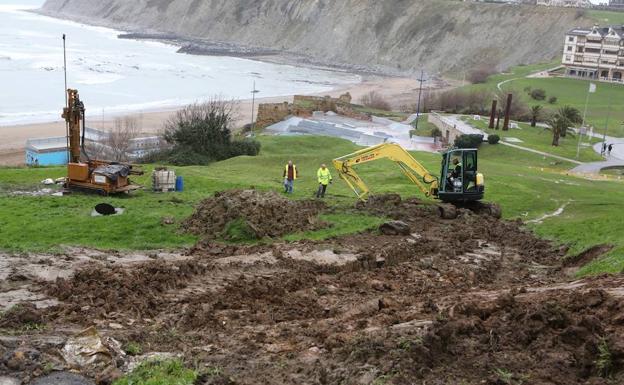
(390, 35)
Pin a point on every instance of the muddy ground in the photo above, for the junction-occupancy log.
(467, 301)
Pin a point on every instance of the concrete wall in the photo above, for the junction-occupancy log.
(449, 132)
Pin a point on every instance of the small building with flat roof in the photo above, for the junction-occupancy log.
(46, 151)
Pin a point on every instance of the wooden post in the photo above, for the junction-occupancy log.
(493, 114)
(507, 112)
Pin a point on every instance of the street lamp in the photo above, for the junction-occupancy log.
(421, 80)
(253, 106)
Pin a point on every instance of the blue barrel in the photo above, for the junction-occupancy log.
(179, 183)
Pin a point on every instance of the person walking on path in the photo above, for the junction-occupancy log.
(609, 149)
(324, 178)
(290, 175)
(604, 148)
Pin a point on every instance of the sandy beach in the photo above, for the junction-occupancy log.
(398, 91)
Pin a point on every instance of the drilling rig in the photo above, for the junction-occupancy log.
(92, 175)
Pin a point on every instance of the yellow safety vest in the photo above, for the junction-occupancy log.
(324, 176)
(294, 172)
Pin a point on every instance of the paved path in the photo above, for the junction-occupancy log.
(540, 153)
(615, 159)
(499, 85)
(595, 167)
(466, 128)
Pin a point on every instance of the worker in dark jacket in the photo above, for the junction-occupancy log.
(290, 175)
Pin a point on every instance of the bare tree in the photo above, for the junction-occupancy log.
(119, 140)
(375, 100)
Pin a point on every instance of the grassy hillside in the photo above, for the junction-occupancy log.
(606, 17)
(606, 100)
(526, 185)
(568, 91)
(538, 138)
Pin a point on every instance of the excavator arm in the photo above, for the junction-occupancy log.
(415, 171)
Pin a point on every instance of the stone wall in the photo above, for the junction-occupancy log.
(303, 106)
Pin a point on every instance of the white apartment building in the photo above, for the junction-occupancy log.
(596, 53)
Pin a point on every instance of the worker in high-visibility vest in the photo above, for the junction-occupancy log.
(324, 178)
(290, 175)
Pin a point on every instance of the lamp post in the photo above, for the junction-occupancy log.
(421, 80)
(253, 106)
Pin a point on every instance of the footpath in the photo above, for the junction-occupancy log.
(614, 159)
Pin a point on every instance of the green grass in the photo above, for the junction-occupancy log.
(424, 127)
(537, 138)
(342, 224)
(573, 92)
(616, 171)
(568, 91)
(512, 73)
(606, 17)
(526, 185)
(159, 373)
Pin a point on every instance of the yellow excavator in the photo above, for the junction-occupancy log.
(459, 184)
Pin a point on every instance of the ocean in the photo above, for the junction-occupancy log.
(116, 76)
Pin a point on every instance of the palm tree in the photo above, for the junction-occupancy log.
(572, 115)
(536, 111)
(562, 120)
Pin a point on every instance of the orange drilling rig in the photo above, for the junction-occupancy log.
(92, 175)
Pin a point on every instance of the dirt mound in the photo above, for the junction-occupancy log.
(554, 338)
(22, 315)
(253, 214)
(101, 290)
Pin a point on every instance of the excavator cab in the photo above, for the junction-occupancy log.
(460, 180)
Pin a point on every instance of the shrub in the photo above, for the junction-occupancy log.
(538, 94)
(552, 100)
(493, 139)
(481, 74)
(200, 134)
(435, 132)
(375, 100)
(469, 141)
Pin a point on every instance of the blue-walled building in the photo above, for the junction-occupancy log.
(46, 151)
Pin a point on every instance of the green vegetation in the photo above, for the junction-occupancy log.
(526, 185)
(159, 373)
(538, 138)
(573, 92)
(200, 134)
(606, 17)
(133, 348)
(425, 128)
(604, 363)
(564, 91)
(517, 72)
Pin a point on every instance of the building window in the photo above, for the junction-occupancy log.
(571, 38)
(568, 57)
(569, 48)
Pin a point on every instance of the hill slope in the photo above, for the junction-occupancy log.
(390, 35)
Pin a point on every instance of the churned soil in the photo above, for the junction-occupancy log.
(264, 214)
(474, 300)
